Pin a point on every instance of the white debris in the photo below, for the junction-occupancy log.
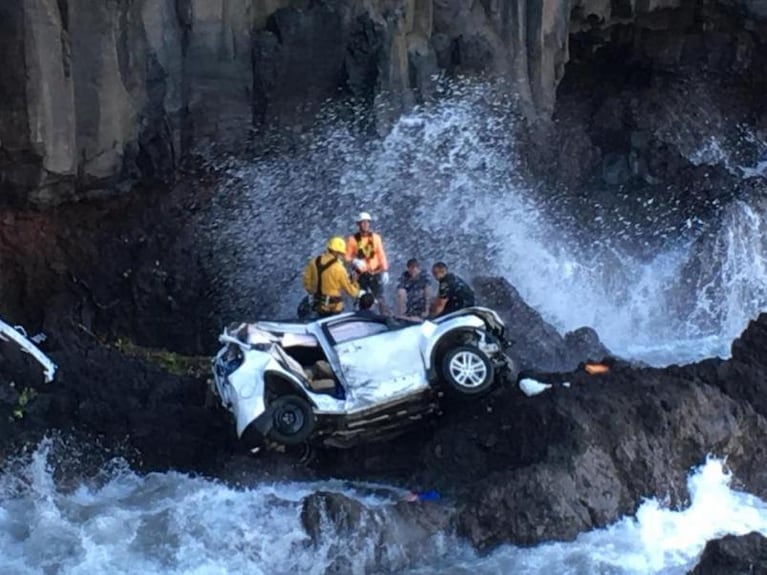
(532, 387)
(18, 335)
(38, 338)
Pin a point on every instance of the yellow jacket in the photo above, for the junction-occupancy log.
(334, 281)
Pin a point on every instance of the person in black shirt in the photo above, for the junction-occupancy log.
(453, 294)
(365, 304)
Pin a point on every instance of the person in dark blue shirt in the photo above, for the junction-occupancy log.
(413, 292)
(453, 293)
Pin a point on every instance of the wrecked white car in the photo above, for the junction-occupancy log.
(18, 335)
(353, 377)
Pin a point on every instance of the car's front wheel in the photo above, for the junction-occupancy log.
(292, 420)
(467, 370)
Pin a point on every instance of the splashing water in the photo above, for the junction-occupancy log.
(159, 523)
(714, 151)
(733, 266)
(433, 185)
(171, 523)
(445, 184)
(656, 541)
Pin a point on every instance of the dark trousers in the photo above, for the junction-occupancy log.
(371, 283)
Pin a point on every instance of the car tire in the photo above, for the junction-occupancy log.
(466, 370)
(293, 420)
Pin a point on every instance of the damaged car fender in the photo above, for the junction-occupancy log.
(434, 335)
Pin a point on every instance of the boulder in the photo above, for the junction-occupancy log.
(734, 555)
(380, 537)
(583, 344)
(536, 343)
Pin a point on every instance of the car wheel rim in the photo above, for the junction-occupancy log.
(289, 420)
(467, 369)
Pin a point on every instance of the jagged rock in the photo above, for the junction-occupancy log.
(744, 375)
(99, 388)
(584, 344)
(609, 441)
(346, 524)
(734, 555)
(601, 446)
(343, 514)
(537, 344)
(514, 465)
(588, 452)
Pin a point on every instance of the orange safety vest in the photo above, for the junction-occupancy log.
(369, 248)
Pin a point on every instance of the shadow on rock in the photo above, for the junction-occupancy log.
(155, 406)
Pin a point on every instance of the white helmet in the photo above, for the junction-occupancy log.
(364, 216)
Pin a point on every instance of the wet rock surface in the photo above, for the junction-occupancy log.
(536, 343)
(584, 453)
(734, 555)
(656, 121)
(515, 468)
(158, 416)
(635, 110)
(91, 279)
(394, 530)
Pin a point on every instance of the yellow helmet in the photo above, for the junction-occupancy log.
(337, 244)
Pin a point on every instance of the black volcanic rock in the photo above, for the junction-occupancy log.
(600, 447)
(349, 528)
(154, 407)
(733, 555)
(537, 343)
(518, 469)
(583, 453)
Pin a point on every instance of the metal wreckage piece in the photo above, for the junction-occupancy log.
(18, 335)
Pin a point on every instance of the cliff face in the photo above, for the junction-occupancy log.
(93, 96)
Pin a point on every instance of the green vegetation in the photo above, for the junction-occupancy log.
(26, 395)
(174, 363)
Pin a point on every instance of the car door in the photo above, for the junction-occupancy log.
(378, 364)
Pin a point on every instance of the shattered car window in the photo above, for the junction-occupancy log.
(355, 330)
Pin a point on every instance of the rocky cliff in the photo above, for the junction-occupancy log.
(96, 97)
(519, 469)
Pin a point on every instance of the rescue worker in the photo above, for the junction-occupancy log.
(453, 293)
(413, 292)
(366, 253)
(325, 277)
